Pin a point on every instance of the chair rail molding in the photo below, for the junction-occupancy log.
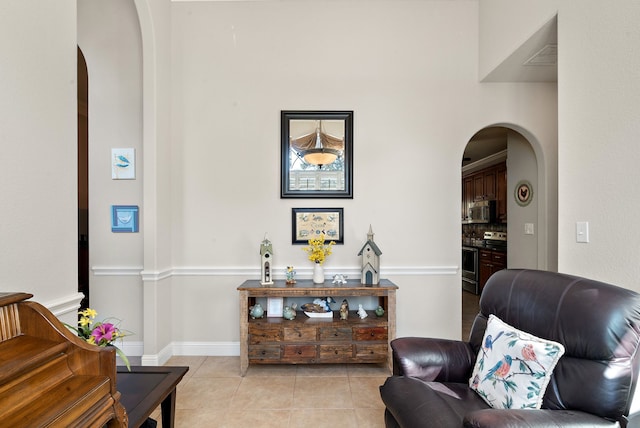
(279, 271)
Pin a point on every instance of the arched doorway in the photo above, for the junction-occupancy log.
(496, 161)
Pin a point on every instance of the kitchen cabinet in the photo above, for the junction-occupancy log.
(487, 184)
(478, 187)
(305, 340)
(489, 181)
(501, 193)
(467, 196)
(490, 262)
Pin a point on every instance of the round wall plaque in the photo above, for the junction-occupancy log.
(523, 193)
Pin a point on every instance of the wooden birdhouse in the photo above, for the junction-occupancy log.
(266, 262)
(370, 261)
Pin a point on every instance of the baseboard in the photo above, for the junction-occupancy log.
(131, 348)
(214, 349)
(158, 359)
(208, 349)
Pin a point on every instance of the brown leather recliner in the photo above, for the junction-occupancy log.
(592, 385)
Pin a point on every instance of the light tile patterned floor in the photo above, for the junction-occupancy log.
(212, 394)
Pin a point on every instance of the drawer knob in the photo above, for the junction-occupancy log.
(336, 352)
(299, 352)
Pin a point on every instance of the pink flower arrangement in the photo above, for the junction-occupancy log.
(100, 333)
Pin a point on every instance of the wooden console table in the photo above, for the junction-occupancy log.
(305, 340)
(143, 389)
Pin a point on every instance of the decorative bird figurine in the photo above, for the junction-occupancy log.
(501, 369)
(256, 311)
(289, 312)
(529, 354)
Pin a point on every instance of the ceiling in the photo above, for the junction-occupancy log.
(536, 60)
(485, 143)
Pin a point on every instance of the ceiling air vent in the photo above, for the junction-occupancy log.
(548, 55)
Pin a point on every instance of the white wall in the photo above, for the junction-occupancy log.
(155, 26)
(522, 165)
(407, 69)
(109, 37)
(38, 108)
(598, 93)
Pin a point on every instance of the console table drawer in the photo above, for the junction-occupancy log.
(336, 352)
(299, 334)
(370, 352)
(294, 352)
(262, 334)
(271, 352)
(335, 333)
(370, 333)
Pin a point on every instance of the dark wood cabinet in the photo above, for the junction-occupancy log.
(501, 193)
(490, 262)
(467, 196)
(478, 187)
(487, 184)
(489, 180)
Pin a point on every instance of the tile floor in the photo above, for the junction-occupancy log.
(470, 308)
(212, 394)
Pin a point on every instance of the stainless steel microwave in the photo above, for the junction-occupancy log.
(481, 212)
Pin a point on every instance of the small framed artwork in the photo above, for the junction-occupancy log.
(523, 193)
(275, 307)
(123, 164)
(308, 223)
(124, 218)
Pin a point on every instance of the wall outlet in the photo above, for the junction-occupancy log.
(528, 229)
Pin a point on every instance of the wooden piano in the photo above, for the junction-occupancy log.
(48, 376)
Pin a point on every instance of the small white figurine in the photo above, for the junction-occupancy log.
(339, 279)
(362, 313)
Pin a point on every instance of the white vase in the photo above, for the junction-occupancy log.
(318, 273)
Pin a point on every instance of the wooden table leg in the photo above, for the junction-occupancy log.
(244, 332)
(168, 409)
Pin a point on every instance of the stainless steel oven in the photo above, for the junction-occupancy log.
(470, 269)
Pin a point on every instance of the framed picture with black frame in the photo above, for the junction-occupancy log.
(316, 154)
(311, 223)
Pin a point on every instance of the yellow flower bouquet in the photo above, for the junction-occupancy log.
(318, 250)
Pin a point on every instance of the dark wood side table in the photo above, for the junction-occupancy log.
(145, 387)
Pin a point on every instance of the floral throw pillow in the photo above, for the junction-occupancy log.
(513, 368)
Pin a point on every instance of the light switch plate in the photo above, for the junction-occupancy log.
(528, 229)
(582, 231)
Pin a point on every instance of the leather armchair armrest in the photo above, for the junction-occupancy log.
(433, 360)
(529, 418)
